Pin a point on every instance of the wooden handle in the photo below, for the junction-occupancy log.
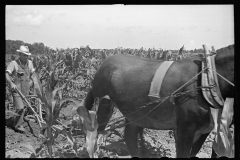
(24, 98)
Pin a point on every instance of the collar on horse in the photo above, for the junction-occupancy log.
(210, 87)
(209, 77)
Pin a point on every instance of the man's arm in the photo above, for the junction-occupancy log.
(9, 80)
(9, 71)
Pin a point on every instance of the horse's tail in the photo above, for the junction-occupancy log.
(89, 100)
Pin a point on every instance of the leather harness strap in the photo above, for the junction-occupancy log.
(209, 77)
(158, 79)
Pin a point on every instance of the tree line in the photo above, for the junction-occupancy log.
(35, 48)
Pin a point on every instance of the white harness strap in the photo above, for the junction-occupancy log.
(209, 77)
(158, 79)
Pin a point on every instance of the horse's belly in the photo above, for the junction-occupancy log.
(169, 124)
(163, 118)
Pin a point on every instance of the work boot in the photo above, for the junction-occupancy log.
(18, 121)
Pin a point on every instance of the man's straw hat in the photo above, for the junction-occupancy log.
(25, 50)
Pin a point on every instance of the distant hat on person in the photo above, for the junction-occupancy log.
(25, 50)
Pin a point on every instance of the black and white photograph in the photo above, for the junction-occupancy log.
(119, 81)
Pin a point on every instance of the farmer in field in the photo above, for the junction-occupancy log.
(18, 75)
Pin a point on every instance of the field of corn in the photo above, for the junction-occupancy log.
(61, 82)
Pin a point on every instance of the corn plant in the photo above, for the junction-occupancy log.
(53, 102)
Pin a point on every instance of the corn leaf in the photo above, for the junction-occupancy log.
(58, 89)
(60, 94)
(44, 125)
(223, 143)
(85, 117)
(103, 136)
(58, 128)
(61, 130)
(116, 133)
(37, 85)
(76, 102)
(53, 81)
(71, 140)
(13, 113)
(53, 104)
(56, 111)
(91, 136)
(48, 96)
(74, 76)
(56, 107)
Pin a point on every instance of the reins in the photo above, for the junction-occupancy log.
(222, 77)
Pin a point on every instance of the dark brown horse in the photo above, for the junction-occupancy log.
(126, 80)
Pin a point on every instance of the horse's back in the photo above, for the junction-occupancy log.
(127, 74)
(123, 69)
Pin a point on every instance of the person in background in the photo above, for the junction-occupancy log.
(18, 74)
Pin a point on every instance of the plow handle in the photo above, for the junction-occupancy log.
(28, 104)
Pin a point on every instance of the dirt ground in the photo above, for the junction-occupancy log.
(159, 143)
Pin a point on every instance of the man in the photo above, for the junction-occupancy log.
(18, 75)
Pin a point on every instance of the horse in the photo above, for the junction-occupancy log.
(126, 79)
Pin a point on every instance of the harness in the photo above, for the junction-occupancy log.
(158, 79)
(209, 88)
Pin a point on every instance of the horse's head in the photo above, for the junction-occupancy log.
(225, 67)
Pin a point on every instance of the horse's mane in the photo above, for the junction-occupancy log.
(225, 54)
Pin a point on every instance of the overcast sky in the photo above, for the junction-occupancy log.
(112, 26)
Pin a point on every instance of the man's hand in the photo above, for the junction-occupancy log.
(10, 82)
(13, 86)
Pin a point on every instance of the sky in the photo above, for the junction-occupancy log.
(126, 26)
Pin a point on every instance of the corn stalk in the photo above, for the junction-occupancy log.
(53, 103)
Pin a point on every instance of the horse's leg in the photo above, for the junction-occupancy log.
(131, 138)
(184, 138)
(189, 119)
(198, 144)
(143, 151)
(104, 113)
(214, 154)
